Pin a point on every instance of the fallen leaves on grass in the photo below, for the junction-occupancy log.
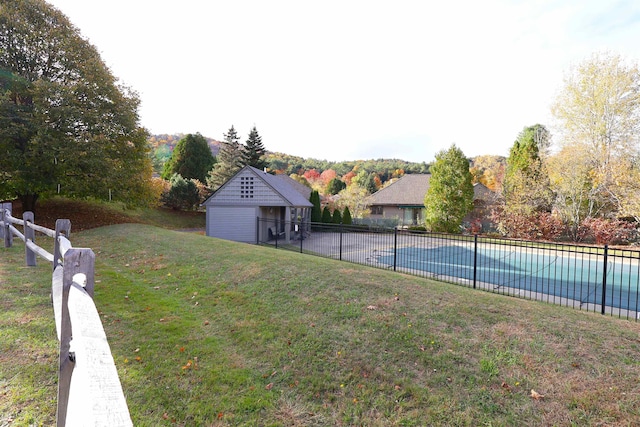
(535, 395)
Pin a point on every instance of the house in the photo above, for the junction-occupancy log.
(256, 206)
(404, 200)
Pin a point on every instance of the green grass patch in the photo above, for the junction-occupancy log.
(210, 332)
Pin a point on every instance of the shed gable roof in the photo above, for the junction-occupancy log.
(266, 190)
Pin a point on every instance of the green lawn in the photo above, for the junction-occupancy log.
(214, 333)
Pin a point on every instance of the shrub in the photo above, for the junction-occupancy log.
(536, 226)
(326, 215)
(346, 216)
(183, 194)
(337, 217)
(607, 231)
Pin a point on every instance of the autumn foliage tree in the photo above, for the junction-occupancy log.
(598, 111)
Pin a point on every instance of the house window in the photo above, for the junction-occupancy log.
(376, 210)
(246, 187)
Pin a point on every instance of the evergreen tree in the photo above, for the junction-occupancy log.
(253, 151)
(316, 211)
(450, 194)
(346, 216)
(326, 215)
(229, 160)
(337, 217)
(335, 186)
(370, 183)
(192, 159)
(526, 187)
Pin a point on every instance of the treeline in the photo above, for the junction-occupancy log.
(384, 168)
(162, 145)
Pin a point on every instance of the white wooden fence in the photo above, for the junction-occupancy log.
(89, 390)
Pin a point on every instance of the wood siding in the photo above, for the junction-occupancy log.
(245, 189)
(236, 223)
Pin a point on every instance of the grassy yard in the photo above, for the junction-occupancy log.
(213, 333)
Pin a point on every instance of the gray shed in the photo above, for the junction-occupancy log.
(251, 196)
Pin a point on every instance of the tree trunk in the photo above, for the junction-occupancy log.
(28, 202)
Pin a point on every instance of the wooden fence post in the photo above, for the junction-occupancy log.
(29, 234)
(8, 235)
(63, 227)
(3, 206)
(76, 261)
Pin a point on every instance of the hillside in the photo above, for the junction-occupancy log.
(210, 332)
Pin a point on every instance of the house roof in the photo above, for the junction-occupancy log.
(482, 192)
(301, 188)
(291, 191)
(409, 190)
(289, 188)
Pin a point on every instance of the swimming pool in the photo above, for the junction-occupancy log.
(573, 275)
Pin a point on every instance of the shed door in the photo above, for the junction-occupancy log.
(232, 223)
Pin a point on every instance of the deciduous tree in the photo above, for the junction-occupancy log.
(65, 121)
(450, 194)
(355, 198)
(598, 111)
(572, 182)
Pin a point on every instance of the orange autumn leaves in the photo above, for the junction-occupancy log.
(191, 363)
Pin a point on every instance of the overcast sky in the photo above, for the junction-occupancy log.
(347, 79)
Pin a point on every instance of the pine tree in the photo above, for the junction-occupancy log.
(335, 186)
(229, 160)
(326, 215)
(337, 217)
(316, 211)
(253, 151)
(346, 216)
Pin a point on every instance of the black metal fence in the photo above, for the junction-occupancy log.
(591, 278)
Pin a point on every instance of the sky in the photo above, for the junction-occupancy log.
(353, 79)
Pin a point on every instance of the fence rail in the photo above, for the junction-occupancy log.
(591, 278)
(89, 390)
